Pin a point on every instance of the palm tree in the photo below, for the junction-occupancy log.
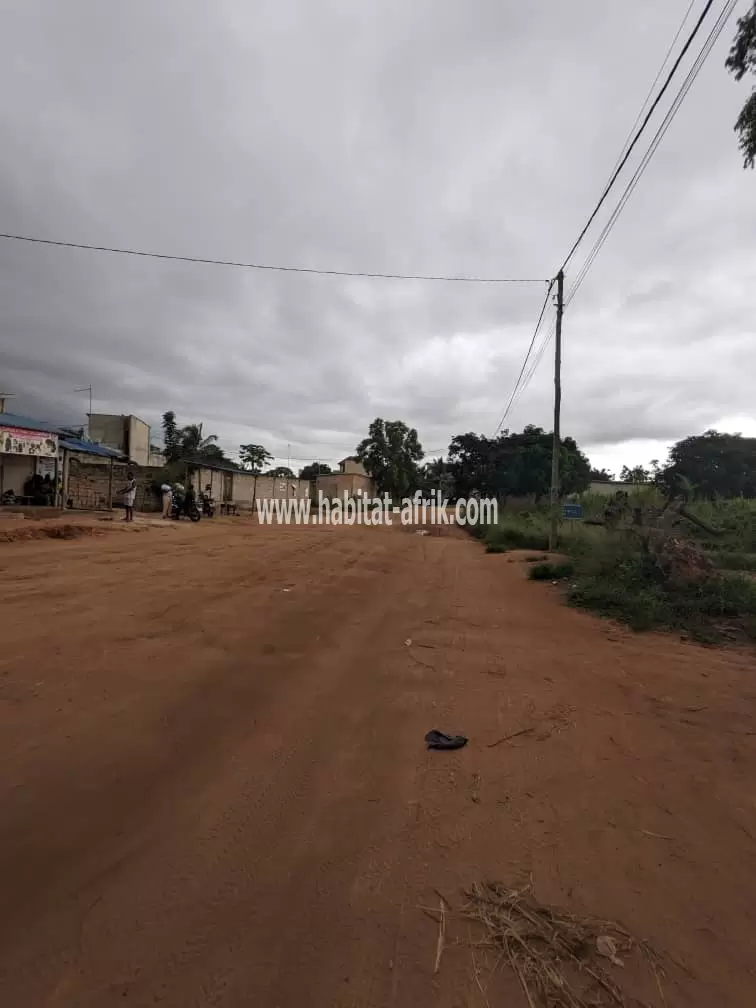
(193, 445)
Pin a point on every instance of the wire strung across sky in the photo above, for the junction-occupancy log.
(685, 87)
(632, 140)
(625, 157)
(524, 377)
(269, 266)
(527, 356)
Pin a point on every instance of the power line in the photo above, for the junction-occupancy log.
(537, 357)
(527, 356)
(660, 71)
(524, 378)
(657, 139)
(636, 138)
(685, 87)
(266, 266)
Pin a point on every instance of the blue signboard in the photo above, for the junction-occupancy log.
(572, 510)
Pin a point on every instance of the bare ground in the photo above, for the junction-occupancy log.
(215, 791)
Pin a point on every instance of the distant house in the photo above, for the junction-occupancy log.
(607, 488)
(126, 434)
(351, 479)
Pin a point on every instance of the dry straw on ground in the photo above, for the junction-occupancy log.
(560, 960)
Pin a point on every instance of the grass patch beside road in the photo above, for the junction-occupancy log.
(625, 582)
(551, 571)
(612, 574)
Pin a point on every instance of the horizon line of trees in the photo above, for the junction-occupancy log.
(516, 464)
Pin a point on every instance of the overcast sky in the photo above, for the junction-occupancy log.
(431, 136)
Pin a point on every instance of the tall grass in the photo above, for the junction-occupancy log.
(613, 575)
(737, 519)
(623, 581)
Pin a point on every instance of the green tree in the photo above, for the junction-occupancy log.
(714, 464)
(281, 472)
(390, 454)
(253, 457)
(601, 476)
(435, 475)
(171, 444)
(635, 475)
(194, 445)
(186, 444)
(515, 464)
(742, 60)
(313, 470)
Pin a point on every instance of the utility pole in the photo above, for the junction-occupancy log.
(555, 450)
(87, 388)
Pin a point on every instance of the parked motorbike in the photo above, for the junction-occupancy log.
(184, 509)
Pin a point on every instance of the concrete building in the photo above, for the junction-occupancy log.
(351, 479)
(244, 488)
(607, 488)
(27, 448)
(126, 434)
(30, 449)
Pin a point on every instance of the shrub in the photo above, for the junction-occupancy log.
(519, 533)
(625, 582)
(735, 561)
(551, 571)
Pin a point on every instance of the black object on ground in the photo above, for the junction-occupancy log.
(439, 740)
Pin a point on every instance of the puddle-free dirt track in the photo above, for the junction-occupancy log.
(214, 788)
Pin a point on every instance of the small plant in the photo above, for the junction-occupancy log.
(495, 548)
(551, 571)
(735, 561)
(623, 581)
(536, 559)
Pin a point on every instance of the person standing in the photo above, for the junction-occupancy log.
(167, 493)
(129, 496)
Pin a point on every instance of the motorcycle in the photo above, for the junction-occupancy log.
(182, 508)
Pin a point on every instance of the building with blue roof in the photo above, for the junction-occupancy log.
(35, 460)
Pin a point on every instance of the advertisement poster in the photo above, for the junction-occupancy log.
(46, 467)
(17, 441)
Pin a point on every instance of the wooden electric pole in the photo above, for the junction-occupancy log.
(555, 450)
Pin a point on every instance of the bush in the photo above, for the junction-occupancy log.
(625, 582)
(735, 561)
(551, 571)
(525, 532)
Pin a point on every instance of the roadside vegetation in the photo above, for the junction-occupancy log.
(707, 592)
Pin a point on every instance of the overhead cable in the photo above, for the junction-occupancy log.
(685, 87)
(527, 357)
(623, 161)
(268, 266)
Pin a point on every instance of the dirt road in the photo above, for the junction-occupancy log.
(215, 791)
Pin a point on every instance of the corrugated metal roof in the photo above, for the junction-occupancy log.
(26, 423)
(88, 448)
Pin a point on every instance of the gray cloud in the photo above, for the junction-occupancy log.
(425, 137)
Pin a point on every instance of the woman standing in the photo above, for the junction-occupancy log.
(129, 496)
(167, 493)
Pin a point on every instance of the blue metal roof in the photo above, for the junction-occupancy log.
(26, 423)
(89, 448)
(64, 440)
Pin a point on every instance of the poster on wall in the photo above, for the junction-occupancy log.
(46, 467)
(17, 441)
